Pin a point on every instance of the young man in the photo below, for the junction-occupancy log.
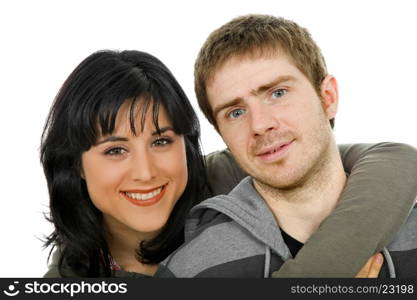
(262, 82)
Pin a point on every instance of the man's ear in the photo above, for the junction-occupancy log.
(329, 96)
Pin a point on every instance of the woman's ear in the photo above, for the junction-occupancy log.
(81, 170)
(329, 96)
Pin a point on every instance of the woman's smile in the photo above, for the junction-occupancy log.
(145, 197)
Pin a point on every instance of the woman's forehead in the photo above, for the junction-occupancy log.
(142, 116)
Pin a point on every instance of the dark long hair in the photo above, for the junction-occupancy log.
(86, 107)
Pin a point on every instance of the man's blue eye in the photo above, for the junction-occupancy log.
(236, 113)
(278, 93)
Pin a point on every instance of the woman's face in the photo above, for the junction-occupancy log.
(135, 181)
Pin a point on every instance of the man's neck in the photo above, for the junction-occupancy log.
(299, 211)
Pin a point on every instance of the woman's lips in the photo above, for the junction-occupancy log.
(144, 197)
(275, 153)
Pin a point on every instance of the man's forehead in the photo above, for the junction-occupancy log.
(266, 51)
(242, 76)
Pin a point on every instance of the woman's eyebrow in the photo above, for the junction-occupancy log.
(162, 130)
(113, 139)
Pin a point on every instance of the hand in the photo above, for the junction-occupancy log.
(372, 267)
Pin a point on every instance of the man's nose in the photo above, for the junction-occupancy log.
(263, 119)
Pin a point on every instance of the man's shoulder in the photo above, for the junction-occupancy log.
(403, 249)
(406, 238)
(217, 242)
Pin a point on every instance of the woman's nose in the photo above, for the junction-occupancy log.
(142, 167)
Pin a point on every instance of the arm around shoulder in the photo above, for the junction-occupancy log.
(382, 182)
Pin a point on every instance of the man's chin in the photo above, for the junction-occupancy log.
(286, 181)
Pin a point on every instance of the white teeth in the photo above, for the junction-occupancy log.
(139, 196)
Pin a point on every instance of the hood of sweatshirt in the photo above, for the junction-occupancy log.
(245, 206)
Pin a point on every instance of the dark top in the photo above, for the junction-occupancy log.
(292, 243)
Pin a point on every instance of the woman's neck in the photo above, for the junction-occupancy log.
(123, 244)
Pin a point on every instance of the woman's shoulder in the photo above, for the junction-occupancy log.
(68, 271)
(65, 270)
(53, 266)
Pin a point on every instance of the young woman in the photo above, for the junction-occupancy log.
(123, 164)
(121, 155)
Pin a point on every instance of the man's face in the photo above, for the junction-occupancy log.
(272, 119)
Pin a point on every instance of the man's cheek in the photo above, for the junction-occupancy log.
(236, 142)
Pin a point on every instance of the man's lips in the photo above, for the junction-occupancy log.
(144, 197)
(274, 152)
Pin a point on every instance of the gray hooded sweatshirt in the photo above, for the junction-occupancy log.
(236, 235)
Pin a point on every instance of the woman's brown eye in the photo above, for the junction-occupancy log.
(162, 142)
(115, 151)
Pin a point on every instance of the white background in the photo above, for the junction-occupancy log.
(370, 46)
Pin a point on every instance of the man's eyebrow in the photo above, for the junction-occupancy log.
(162, 130)
(257, 91)
(276, 81)
(219, 108)
(113, 139)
